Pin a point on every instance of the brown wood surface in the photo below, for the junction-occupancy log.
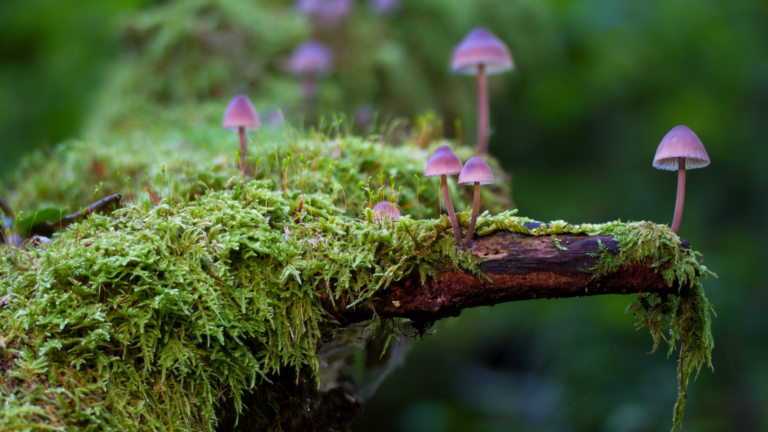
(520, 267)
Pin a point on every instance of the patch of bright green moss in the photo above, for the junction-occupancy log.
(328, 160)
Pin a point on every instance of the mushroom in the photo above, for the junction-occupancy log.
(680, 150)
(481, 53)
(385, 209)
(241, 116)
(310, 60)
(444, 162)
(476, 172)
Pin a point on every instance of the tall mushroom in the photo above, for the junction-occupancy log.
(481, 53)
(444, 162)
(680, 150)
(476, 172)
(241, 116)
(311, 60)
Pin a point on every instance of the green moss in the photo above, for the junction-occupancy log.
(327, 160)
(147, 316)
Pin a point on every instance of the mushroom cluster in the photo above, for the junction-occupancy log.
(480, 53)
(476, 172)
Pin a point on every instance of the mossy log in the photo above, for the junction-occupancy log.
(206, 305)
(516, 267)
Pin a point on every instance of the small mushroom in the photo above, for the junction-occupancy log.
(476, 172)
(481, 53)
(680, 150)
(241, 116)
(444, 162)
(384, 210)
(311, 60)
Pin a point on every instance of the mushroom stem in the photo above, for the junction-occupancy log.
(680, 195)
(309, 86)
(308, 93)
(475, 207)
(243, 151)
(482, 110)
(451, 213)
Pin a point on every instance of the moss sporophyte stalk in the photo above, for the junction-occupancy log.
(147, 317)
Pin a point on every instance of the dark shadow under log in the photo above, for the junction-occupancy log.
(520, 267)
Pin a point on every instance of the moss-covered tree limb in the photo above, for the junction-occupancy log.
(515, 267)
(215, 292)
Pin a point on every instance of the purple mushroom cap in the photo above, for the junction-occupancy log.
(241, 113)
(481, 47)
(311, 58)
(476, 170)
(443, 162)
(677, 143)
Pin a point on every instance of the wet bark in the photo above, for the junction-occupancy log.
(520, 267)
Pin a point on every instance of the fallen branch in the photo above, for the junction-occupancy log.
(520, 267)
(48, 228)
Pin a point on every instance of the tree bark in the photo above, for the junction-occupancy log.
(520, 267)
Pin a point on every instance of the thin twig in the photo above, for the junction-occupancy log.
(97, 206)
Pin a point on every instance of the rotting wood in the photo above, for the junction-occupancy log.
(520, 267)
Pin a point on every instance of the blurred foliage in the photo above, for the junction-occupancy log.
(79, 172)
(598, 84)
(52, 58)
(203, 50)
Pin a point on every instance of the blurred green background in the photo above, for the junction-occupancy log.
(598, 83)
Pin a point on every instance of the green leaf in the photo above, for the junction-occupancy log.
(39, 218)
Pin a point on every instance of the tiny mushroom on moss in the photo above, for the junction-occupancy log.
(384, 210)
(444, 162)
(475, 172)
(241, 116)
(680, 150)
(481, 53)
